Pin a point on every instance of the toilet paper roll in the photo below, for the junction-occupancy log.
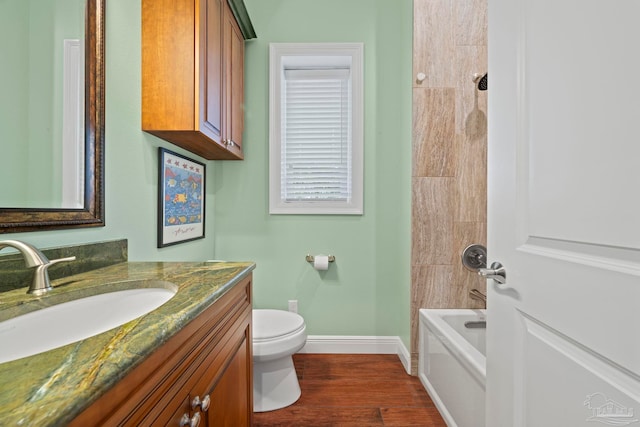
(321, 262)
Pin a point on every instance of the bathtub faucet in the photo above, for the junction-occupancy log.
(477, 295)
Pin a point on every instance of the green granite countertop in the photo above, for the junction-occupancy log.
(51, 388)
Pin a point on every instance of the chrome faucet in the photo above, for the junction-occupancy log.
(476, 294)
(33, 258)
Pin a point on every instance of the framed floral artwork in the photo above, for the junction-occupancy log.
(181, 198)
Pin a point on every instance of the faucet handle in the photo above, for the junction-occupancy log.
(55, 261)
(41, 283)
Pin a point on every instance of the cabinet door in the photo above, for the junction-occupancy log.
(211, 69)
(229, 398)
(225, 379)
(168, 66)
(233, 83)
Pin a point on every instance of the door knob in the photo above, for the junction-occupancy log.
(496, 272)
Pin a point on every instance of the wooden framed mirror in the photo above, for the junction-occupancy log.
(90, 210)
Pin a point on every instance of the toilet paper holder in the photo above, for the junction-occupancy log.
(311, 258)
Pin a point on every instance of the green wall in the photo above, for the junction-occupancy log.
(366, 291)
(131, 158)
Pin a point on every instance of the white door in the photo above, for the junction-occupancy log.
(564, 213)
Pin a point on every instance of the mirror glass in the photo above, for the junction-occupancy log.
(51, 113)
(43, 103)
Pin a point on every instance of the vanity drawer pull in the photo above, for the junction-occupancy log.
(202, 404)
(194, 421)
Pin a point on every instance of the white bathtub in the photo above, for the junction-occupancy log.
(452, 365)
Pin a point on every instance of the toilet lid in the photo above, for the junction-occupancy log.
(269, 324)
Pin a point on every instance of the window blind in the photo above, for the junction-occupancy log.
(316, 135)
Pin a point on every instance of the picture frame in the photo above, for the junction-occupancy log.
(181, 198)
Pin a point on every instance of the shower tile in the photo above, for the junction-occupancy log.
(467, 233)
(449, 160)
(433, 132)
(432, 220)
(457, 292)
(434, 42)
(431, 289)
(433, 285)
(415, 360)
(471, 103)
(471, 180)
(471, 22)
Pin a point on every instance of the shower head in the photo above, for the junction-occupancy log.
(482, 83)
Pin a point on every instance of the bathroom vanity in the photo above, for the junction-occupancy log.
(187, 362)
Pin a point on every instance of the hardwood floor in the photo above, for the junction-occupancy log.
(358, 390)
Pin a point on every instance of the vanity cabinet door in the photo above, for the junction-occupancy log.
(230, 390)
(233, 405)
(219, 380)
(192, 87)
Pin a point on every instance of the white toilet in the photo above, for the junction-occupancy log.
(277, 335)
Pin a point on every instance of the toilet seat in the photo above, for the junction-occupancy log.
(277, 333)
(275, 324)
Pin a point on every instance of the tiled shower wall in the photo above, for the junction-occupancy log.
(449, 183)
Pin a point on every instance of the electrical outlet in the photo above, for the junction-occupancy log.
(293, 305)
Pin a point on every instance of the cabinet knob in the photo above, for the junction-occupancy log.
(194, 421)
(230, 143)
(202, 404)
(420, 77)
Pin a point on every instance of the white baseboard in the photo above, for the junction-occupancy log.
(348, 344)
(405, 356)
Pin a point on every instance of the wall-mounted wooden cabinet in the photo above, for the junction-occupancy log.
(193, 74)
(209, 361)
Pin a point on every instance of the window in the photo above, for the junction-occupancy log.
(316, 137)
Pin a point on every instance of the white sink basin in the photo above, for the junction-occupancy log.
(52, 327)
